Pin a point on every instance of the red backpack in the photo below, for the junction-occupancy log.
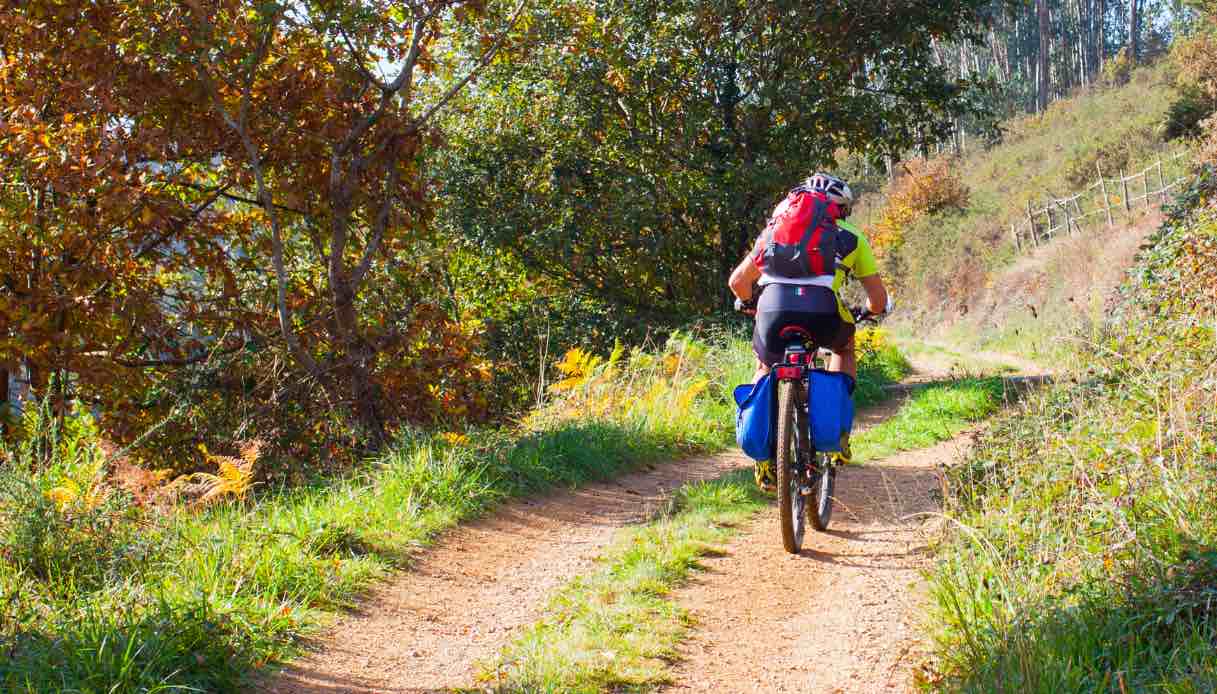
(800, 240)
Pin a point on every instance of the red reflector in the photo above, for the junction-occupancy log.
(789, 372)
(795, 358)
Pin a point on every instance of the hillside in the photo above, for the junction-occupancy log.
(1086, 558)
(959, 271)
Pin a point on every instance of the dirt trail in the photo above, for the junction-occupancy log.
(460, 604)
(842, 615)
(836, 618)
(839, 617)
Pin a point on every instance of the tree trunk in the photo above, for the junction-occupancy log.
(1134, 26)
(1102, 40)
(1041, 7)
(5, 405)
(1082, 43)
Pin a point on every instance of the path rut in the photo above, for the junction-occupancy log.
(837, 618)
(424, 631)
(840, 616)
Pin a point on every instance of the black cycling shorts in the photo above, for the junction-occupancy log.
(814, 309)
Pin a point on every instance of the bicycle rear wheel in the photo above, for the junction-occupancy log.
(825, 485)
(792, 506)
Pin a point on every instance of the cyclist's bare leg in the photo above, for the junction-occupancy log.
(760, 372)
(845, 360)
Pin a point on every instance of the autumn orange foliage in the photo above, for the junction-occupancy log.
(214, 215)
(925, 188)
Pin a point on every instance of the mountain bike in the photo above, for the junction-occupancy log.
(806, 478)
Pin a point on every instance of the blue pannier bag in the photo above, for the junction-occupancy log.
(830, 409)
(754, 430)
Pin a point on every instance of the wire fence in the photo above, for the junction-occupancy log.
(1100, 202)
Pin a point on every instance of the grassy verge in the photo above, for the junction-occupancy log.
(933, 413)
(106, 589)
(615, 629)
(103, 591)
(880, 363)
(1086, 557)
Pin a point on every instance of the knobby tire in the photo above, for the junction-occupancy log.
(788, 485)
(826, 483)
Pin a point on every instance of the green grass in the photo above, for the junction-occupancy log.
(125, 598)
(881, 363)
(952, 265)
(616, 628)
(932, 413)
(1085, 552)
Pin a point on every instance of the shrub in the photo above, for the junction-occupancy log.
(61, 523)
(1118, 69)
(927, 188)
(1192, 106)
(1119, 149)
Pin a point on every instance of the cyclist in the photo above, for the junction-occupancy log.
(794, 294)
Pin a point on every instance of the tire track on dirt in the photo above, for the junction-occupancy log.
(840, 616)
(466, 596)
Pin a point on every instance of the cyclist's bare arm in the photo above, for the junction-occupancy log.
(744, 278)
(876, 294)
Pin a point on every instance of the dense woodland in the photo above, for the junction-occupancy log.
(311, 223)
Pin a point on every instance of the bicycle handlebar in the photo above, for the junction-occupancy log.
(860, 313)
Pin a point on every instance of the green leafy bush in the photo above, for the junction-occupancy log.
(1084, 557)
(1186, 113)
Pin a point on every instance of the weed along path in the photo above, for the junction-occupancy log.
(424, 631)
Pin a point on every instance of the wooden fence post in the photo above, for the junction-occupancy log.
(1145, 184)
(1124, 184)
(1161, 180)
(1068, 219)
(1018, 245)
(1103, 187)
(1035, 238)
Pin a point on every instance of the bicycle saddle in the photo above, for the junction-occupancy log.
(793, 331)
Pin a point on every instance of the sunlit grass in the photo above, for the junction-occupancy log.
(932, 413)
(1084, 556)
(616, 628)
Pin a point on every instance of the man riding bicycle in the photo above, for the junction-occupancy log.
(799, 263)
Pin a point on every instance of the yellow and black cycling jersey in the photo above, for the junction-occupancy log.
(854, 259)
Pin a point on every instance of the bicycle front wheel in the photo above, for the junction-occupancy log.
(825, 486)
(792, 505)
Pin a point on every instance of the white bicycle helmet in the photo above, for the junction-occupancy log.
(837, 190)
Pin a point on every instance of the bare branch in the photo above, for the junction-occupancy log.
(239, 126)
(357, 56)
(378, 228)
(483, 62)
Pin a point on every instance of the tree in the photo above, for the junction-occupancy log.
(637, 155)
(1134, 27)
(167, 156)
(1043, 73)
